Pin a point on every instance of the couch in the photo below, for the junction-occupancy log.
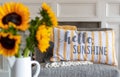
(92, 70)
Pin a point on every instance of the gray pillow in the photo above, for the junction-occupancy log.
(44, 57)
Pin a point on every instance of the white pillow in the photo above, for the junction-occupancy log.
(95, 46)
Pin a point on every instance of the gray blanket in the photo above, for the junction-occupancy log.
(94, 70)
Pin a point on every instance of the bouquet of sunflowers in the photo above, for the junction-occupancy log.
(15, 26)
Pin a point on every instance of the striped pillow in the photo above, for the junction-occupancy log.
(66, 27)
(95, 46)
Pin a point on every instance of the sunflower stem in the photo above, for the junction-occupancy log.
(26, 52)
(18, 55)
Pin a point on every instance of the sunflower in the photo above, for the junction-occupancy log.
(43, 37)
(9, 44)
(15, 13)
(50, 13)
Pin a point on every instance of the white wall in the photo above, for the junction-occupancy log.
(105, 11)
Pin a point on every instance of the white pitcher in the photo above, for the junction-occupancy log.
(22, 68)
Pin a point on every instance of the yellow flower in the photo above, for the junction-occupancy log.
(43, 37)
(43, 45)
(9, 44)
(45, 6)
(50, 13)
(15, 13)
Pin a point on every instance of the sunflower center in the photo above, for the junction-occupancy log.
(7, 43)
(12, 17)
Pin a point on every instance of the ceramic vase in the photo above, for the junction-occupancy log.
(23, 68)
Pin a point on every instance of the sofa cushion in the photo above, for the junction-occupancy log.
(96, 46)
(93, 70)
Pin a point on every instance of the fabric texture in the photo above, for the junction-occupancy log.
(95, 46)
(67, 63)
(93, 70)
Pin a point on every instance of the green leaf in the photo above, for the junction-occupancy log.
(11, 29)
(45, 17)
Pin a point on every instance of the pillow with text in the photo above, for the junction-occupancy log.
(95, 46)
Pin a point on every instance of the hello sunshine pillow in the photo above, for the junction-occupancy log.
(95, 46)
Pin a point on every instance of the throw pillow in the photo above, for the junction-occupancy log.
(95, 46)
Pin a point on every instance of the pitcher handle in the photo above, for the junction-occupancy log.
(37, 69)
